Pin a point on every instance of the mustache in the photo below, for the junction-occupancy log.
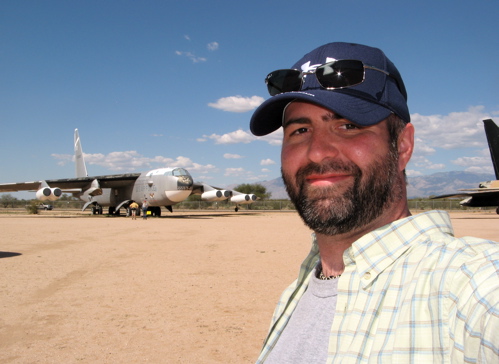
(330, 166)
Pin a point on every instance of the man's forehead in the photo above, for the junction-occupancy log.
(302, 110)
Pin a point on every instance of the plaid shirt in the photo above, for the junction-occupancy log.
(410, 293)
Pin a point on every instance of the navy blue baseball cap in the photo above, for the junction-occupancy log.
(367, 103)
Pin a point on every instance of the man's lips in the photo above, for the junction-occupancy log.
(326, 179)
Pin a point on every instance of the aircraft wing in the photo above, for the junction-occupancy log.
(199, 188)
(210, 193)
(483, 192)
(21, 186)
(108, 181)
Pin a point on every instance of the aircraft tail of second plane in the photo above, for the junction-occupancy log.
(81, 168)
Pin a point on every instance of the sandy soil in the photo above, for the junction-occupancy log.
(184, 288)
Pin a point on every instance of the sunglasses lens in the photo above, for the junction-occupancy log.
(283, 81)
(338, 74)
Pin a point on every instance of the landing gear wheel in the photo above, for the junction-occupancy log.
(497, 211)
(236, 209)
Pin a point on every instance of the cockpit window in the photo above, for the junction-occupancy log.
(180, 172)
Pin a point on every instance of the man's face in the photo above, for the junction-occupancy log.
(340, 176)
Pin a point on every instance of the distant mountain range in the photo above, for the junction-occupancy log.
(423, 186)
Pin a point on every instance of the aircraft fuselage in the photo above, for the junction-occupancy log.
(161, 187)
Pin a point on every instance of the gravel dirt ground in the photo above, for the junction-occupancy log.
(184, 288)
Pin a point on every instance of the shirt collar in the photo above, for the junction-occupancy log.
(377, 250)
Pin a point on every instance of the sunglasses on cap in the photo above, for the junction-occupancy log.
(332, 75)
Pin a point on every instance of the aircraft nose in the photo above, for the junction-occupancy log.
(184, 183)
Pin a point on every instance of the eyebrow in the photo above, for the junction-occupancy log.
(305, 120)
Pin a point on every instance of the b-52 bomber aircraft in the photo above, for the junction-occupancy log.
(487, 193)
(160, 187)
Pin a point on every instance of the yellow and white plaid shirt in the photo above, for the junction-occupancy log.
(410, 293)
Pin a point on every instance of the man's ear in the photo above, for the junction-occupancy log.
(405, 145)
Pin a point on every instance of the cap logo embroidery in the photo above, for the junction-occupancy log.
(306, 67)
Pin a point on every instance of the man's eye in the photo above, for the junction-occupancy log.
(350, 126)
(299, 131)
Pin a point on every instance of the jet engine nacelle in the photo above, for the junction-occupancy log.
(466, 202)
(215, 195)
(48, 194)
(243, 199)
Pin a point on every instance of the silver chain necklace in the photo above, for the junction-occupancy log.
(324, 278)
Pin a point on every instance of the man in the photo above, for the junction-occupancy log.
(145, 207)
(134, 206)
(379, 285)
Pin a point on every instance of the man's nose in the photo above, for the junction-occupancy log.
(323, 145)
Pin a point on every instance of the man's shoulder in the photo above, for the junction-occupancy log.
(461, 250)
(463, 265)
(435, 230)
(436, 248)
(483, 254)
(467, 245)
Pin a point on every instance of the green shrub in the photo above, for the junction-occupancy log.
(32, 208)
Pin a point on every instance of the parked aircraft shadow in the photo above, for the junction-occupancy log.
(8, 254)
(203, 216)
(164, 216)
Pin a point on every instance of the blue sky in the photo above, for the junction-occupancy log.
(151, 84)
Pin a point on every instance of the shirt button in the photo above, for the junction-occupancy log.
(367, 275)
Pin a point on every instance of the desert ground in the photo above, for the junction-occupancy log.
(184, 288)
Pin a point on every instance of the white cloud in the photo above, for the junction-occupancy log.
(238, 136)
(213, 46)
(188, 164)
(191, 56)
(480, 169)
(234, 172)
(422, 162)
(449, 132)
(237, 103)
(232, 156)
(240, 174)
(132, 161)
(63, 158)
(453, 130)
(274, 138)
(187, 37)
(421, 148)
(477, 164)
(469, 161)
(267, 162)
(413, 173)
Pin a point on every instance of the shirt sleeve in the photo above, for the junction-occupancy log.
(476, 322)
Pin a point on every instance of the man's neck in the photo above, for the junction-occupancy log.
(332, 247)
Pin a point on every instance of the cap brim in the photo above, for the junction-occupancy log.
(267, 118)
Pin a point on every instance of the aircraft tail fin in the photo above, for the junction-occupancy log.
(492, 132)
(81, 169)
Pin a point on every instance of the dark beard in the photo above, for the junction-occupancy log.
(365, 200)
